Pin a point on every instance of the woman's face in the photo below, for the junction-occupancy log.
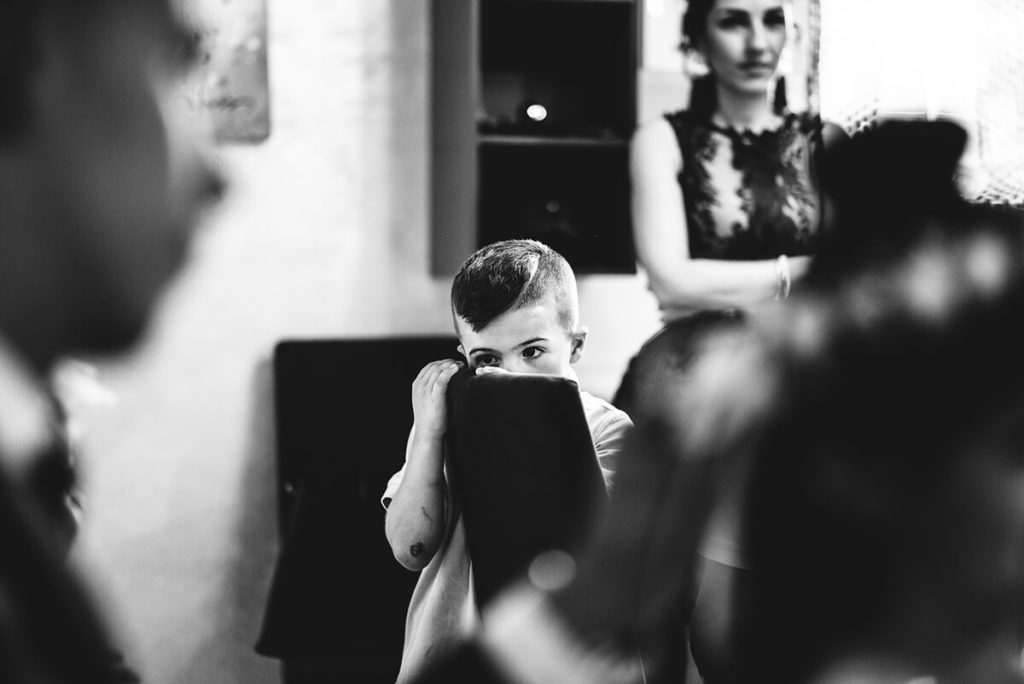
(743, 41)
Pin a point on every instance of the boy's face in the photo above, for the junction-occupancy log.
(527, 340)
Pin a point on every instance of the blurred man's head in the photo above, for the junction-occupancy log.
(883, 188)
(103, 174)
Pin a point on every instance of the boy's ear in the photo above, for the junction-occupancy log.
(462, 350)
(578, 339)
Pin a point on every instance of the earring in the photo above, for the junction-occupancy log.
(696, 66)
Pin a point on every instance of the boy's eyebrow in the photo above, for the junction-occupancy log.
(474, 350)
(529, 342)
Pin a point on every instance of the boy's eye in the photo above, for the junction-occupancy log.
(486, 360)
(532, 352)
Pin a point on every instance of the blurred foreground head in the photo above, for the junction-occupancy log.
(884, 188)
(103, 170)
(885, 508)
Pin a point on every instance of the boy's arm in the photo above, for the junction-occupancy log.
(414, 523)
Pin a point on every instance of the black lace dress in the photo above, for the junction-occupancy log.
(747, 196)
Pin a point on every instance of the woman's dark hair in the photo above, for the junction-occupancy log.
(695, 22)
(703, 89)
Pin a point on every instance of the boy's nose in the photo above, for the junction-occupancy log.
(516, 366)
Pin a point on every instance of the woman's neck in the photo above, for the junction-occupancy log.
(745, 111)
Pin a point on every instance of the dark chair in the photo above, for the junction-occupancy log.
(522, 465)
(337, 604)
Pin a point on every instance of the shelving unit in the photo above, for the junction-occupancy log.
(533, 105)
(562, 141)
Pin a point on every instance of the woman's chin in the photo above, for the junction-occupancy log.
(751, 84)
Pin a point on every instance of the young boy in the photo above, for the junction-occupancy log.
(516, 309)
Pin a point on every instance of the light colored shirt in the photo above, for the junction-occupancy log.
(442, 610)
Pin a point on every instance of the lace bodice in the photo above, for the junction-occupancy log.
(749, 195)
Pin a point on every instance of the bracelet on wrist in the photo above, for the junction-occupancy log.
(783, 278)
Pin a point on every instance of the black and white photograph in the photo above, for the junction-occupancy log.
(512, 341)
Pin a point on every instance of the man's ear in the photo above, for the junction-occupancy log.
(578, 339)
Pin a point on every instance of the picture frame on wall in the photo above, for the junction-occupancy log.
(231, 86)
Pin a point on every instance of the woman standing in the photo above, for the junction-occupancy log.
(726, 209)
(726, 213)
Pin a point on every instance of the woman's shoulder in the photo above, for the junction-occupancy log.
(680, 116)
(662, 131)
(656, 136)
(677, 119)
(686, 121)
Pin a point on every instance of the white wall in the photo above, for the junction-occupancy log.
(324, 234)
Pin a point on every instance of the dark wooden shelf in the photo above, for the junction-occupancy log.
(550, 141)
(619, 2)
(564, 182)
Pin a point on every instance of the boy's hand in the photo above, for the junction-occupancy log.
(490, 370)
(428, 397)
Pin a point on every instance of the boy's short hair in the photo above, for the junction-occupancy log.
(508, 275)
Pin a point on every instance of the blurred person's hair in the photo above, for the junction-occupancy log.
(878, 392)
(851, 409)
(886, 186)
(509, 275)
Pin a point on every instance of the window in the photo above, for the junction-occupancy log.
(932, 58)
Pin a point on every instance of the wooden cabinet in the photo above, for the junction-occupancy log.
(533, 104)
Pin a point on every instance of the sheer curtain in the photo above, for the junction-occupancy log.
(929, 58)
